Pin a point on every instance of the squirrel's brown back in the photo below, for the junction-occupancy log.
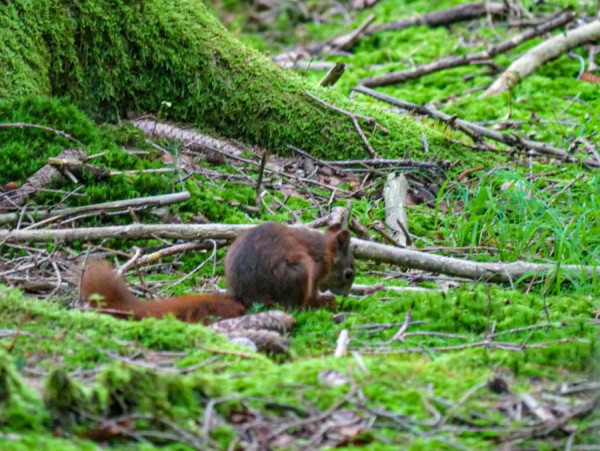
(276, 264)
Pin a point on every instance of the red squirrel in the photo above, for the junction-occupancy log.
(269, 264)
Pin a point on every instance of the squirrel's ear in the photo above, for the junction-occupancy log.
(334, 228)
(343, 239)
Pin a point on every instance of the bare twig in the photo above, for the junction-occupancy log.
(349, 40)
(261, 171)
(474, 130)
(369, 120)
(333, 75)
(50, 215)
(131, 262)
(354, 118)
(461, 401)
(175, 249)
(545, 428)
(462, 60)
(443, 17)
(304, 65)
(390, 162)
(316, 418)
(399, 336)
(342, 344)
(364, 138)
(326, 164)
(459, 13)
(214, 149)
(41, 127)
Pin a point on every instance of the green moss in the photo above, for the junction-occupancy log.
(23, 151)
(178, 53)
(86, 339)
(80, 337)
(20, 407)
(26, 442)
(24, 59)
(65, 399)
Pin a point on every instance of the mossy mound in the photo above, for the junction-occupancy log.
(111, 58)
(137, 368)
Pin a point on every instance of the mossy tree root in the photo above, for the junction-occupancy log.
(114, 57)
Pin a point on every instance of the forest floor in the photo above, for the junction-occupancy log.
(412, 358)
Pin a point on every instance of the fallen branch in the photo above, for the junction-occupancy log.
(485, 271)
(133, 231)
(176, 249)
(333, 75)
(488, 344)
(462, 60)
(68, 166)
(475, 131)
(493, 272)
(214, 149)
(305, 65)
(348, 41)
(143, 202)
(342, 42)
(542, 53)
(448, 16)
(459, 13)
(41, 127)
(391, 162)
(39, 180)
(362, 4)
(229, 151)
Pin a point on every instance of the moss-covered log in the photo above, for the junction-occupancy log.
(113, 57)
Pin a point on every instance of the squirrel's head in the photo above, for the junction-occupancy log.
(342, 272)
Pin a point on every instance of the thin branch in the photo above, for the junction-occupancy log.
(369, 120)
(463, 60)
(474, 130)
(50, 214)
(459, 13)
(333, 75)
(39, 180)
(41, 127)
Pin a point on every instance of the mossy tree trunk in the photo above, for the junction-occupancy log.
(110, 57)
